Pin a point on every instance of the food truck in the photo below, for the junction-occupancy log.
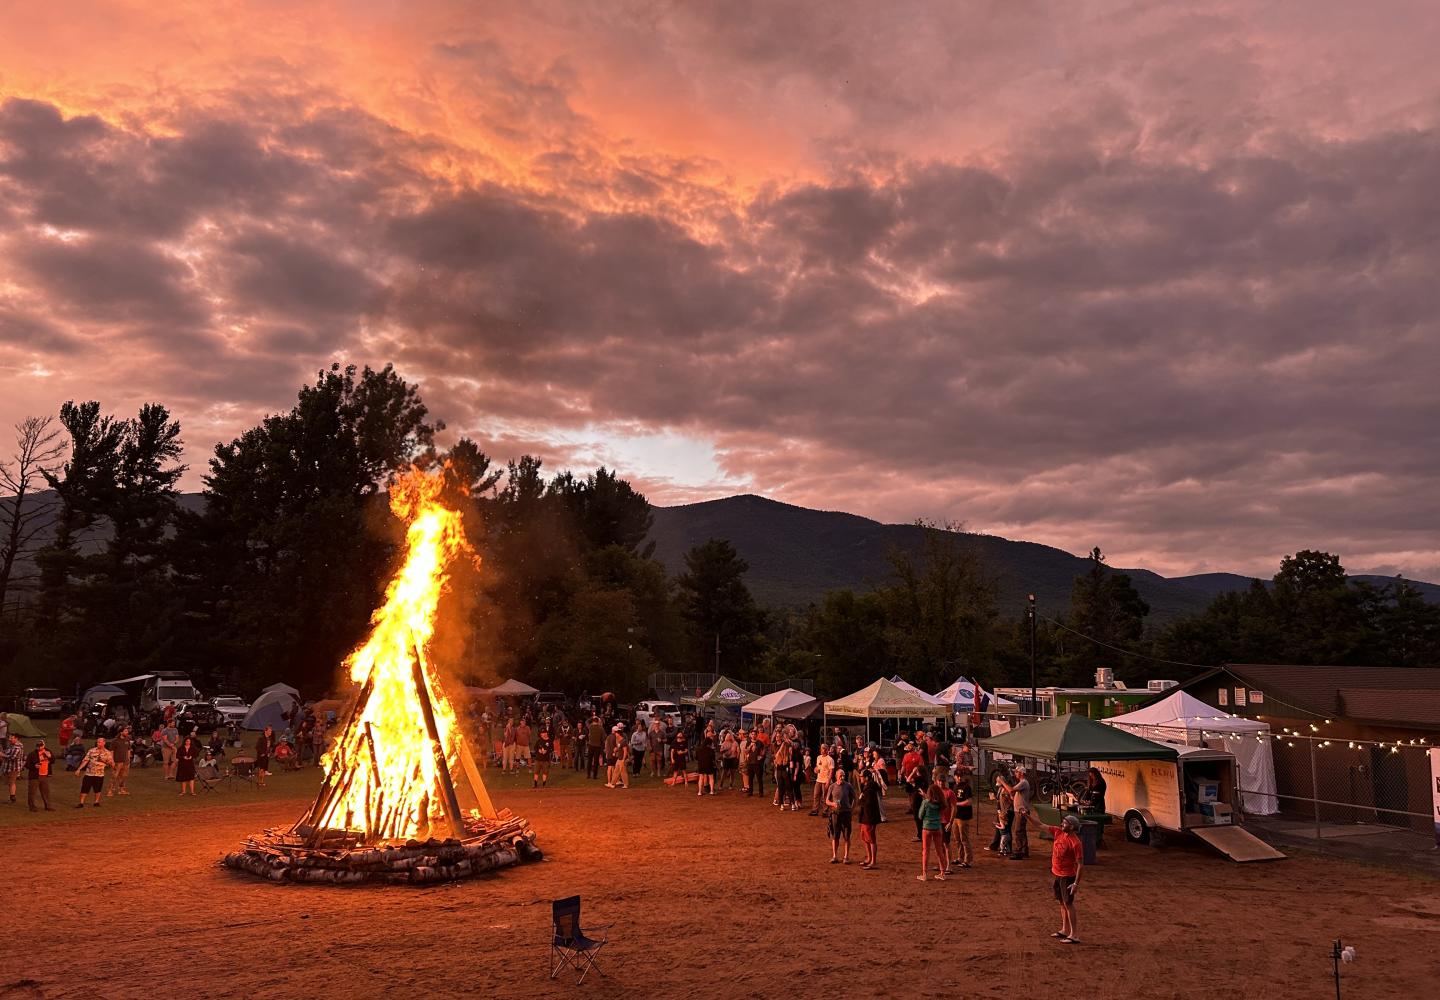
(1196, 794)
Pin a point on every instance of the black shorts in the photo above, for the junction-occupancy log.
(731, 763)
(840, 825)
(1062, 887)
(91, 783)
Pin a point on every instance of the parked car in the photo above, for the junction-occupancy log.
(41, 701)
(232, 708)
(555, 699)
(646, 710)
(205, 716)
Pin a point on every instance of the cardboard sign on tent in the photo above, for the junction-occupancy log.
(1076, 738)
(724, 693)
(786, 704)
(1183, 718)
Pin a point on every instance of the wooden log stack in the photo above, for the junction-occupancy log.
(342, 858)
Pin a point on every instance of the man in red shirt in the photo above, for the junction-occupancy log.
(1066, 860)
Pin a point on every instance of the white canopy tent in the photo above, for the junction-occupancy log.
(1183, 718)
(960, 697)
(514, 689)
(785, 704)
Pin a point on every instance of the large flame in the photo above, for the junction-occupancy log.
(383, 774)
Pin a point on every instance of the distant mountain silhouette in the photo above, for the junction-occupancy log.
(796, 554)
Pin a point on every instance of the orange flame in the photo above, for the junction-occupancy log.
(382, 773)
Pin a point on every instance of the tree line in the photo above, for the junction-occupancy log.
(274, 574)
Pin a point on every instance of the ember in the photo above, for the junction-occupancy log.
(390, 778)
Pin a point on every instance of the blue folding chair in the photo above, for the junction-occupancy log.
(570, 945)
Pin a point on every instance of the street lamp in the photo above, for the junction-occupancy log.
(1030, 613)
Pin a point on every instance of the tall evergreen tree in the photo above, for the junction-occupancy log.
(720, 609)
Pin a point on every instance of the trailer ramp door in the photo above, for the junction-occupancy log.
(1236, 844)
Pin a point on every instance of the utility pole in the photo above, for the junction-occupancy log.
(717, 652)
(1034, 700)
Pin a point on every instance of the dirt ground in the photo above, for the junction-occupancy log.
(721, 897)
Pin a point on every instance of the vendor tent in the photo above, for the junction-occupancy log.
(1076, 738)
(786, 704)
(884, 700)
(269, 710)
(1183, 718)
(960, 697)
(724, 693)
(905, 685)
(514, 689)
(20, 725)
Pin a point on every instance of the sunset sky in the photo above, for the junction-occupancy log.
(1162, 277)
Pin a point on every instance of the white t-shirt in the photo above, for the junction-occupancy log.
(824, 768)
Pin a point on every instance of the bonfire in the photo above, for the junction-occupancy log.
(402, 799)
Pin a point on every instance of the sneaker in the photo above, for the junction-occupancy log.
(80, 806)
(1071, 940)
(834, 861)
(97, 805)
(939, 878)
(949, 871)
(919, 878)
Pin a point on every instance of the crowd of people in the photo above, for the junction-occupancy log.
(845, 781)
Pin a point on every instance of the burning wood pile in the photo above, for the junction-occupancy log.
(390, 779)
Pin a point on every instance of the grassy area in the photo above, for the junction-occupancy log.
(149, 791)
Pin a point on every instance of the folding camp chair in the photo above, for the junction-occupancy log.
(208, 774)
(570, 945)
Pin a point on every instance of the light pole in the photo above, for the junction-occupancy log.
(1030, 613)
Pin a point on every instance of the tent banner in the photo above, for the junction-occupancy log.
(1435, 790)
(730, 694)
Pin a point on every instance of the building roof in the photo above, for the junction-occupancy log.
(1404, 696)
(1416, 706)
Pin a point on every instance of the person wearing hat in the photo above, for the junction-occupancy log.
(1067, 859)
(37, 770)
(544, 753)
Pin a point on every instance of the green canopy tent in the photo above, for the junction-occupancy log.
(20, 725)
(1076, 738)
(724, 693)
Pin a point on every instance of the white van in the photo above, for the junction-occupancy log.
(667, 710)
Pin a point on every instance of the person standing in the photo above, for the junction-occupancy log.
(121, 748)
(169, 741)
(12, 759)
(507, 748)
(705, 764)
(67, 733)
(824, 771)
(782, 771)
(639, 743)
(185, 757)
(963, 822)
(1020, 839)
(928, 815)
(37, 771)
(318, 730)
(92, 772)
(655, 743)
(839, 801)
(522, 742)
(729, 759)
(544, 753)
(679, 756)
(868, 814)
(1004, 818)
(1067, 859)
(264, 747)
(757, 764)
(595, 748)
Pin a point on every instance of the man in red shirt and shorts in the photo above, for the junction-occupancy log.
(1066, 860)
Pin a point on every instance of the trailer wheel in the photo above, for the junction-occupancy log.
(1135, 829)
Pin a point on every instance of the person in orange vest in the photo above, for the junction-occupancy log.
(37, 768)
